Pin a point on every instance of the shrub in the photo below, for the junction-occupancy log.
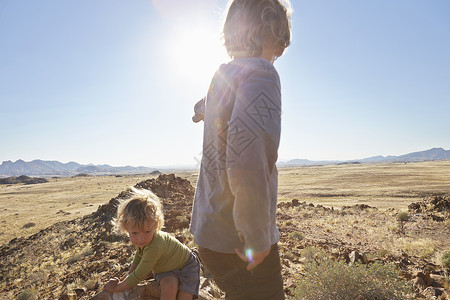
(27, 294)
(75, 258)
(326, 279)
(446, 260)
(402, 218)
(29, 225)
(295, 235)
(288, 223)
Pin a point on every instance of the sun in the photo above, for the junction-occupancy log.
(196, 53)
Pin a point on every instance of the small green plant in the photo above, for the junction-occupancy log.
(402, 218)
(27, 294)
(288, 255)
(327, 279)
(92, 282)
(382, 252)
(87, 252)
(295, 235)
(288, 223)
(75, 258)
(446, 260)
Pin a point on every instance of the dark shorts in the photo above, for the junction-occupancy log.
(189, 276)
(231, 275)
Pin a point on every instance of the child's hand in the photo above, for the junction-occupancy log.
(111, 285)
(199, 110)
(253, 258)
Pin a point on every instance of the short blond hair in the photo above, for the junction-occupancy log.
(140, 208)
(252, 23)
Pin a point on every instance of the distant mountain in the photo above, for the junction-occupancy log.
(432, 154)
(307, 162)
(55, 168)
(427, 155)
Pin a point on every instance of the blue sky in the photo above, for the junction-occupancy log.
(114, 82)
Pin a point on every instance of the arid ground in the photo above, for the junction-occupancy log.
(340, 208)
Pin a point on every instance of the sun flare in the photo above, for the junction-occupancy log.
(196, 54)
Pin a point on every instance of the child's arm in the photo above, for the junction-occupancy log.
(199, 110)
(115, 285)
(132, 268)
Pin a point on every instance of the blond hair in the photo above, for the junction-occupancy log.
(251, 24)
(138, 210)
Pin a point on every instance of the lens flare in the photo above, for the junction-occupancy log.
(249, 254)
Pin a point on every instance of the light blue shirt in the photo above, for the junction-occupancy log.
(236, 197)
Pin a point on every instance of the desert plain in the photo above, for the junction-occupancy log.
(339, 208)
(392, 185)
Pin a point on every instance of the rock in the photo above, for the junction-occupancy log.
(437, 279)
(22, 179)
(432, 292)
(419, 283)
(425, 277)
(64, 297)
(80, 292)
(148, 290)
(437, 218)
(358, 207)
(102, 296)
(428, 280)
(432, 204)
(355, 256)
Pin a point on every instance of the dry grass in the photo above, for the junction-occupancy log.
(60, 199)
(380, 185)
(76, 253)
(393, 185)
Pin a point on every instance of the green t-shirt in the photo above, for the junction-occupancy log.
(162, 254)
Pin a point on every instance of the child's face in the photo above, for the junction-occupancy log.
(141, 236)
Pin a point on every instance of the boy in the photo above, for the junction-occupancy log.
(175, 267)
(234, 211)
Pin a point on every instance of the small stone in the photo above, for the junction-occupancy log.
(354, 256)
(79, 291)
(419, 283)
(431, 292)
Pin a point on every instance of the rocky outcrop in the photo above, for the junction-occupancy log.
(435, 207)
(22, 179)
(78, 256)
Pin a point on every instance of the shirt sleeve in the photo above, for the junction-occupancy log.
(252, 150)
(145, 265)
(136, 259)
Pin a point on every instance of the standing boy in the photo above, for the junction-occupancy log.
(234, 212)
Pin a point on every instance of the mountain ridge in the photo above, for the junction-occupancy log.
(419, 156)
(39, 167)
